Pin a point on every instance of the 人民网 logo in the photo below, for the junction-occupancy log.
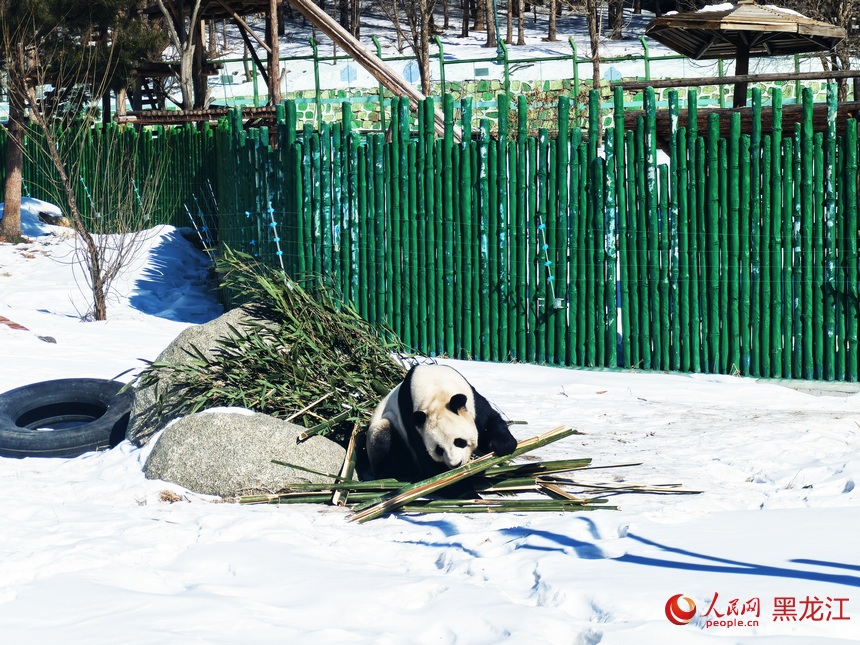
(677, 614)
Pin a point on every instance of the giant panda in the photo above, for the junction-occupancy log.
(431, 422)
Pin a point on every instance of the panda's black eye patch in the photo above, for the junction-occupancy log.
(461, 443)
(440, 450)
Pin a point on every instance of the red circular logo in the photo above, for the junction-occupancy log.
(676, 614)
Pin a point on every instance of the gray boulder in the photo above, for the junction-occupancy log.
(230, 454)
(147, 417)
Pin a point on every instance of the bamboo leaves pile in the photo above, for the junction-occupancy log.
(310, 360)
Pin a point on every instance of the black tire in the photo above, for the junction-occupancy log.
(63, 418)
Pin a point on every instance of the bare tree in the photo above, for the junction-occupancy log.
(592, 17)
(418, 17)
(521, 24)
(59, 81)
(183, 27)
(844, 13)
(616, 19)
(16, 64)
(490, 8)
(467, 13)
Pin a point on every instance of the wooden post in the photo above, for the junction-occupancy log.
(274, 63)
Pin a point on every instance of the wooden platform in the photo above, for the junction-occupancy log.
(791, 115)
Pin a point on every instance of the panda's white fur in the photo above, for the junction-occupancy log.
(440, 420)
(449, 436)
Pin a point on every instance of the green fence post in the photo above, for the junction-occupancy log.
(788, 300)
(744, 259)
(673, 259)
(646, 304)
(504, 177)
(561, 224)
(850, 249)
(467, 233)
(449, 228)
(733, 360)
(776, 180)
(575, 79)
(755, 232)
(634, 358)
(441, 56)
(609, 214)
(818, 267)
(317, 91)
(381, 90)
(652, 207)
(830, 237)
(696, 178)
(806, 217)
(486, 343)
(712, 241)
(621, 222)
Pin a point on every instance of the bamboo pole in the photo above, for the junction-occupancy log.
(733, 270)
(504, 177)
(850, 260)
(642, 231)
(712, 251)
(651, 208)
(764, 337)
(776, 179)
(755, 228)
(745, 273)
(829, 239)
(674, 240)
(621, 219)
(448, 263)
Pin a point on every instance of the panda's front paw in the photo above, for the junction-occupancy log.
(503, 443)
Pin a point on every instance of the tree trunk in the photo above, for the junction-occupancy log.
(489, 5)
(10, 225)
(212, 37)
(593, 19)
(616, 19)
(509, 34)
(345, 14)
(356, 18)
(424, 46)
(274, 56)
(464, 30)
(551, 30)
(637, 7)
(446, 16)
(480, 10)
(521, 22)
(200, 82)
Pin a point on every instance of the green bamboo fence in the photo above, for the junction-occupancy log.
(568, 246)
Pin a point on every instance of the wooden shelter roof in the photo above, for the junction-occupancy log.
(762, 30)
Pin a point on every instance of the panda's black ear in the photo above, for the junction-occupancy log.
(418, 418)
(457, 403)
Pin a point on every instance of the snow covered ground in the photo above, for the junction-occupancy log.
(90, 554)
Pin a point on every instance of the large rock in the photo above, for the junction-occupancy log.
(230, 454)
(147, 417)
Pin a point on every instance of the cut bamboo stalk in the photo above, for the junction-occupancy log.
(308, 406)
(339, 496)
(369, 512)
